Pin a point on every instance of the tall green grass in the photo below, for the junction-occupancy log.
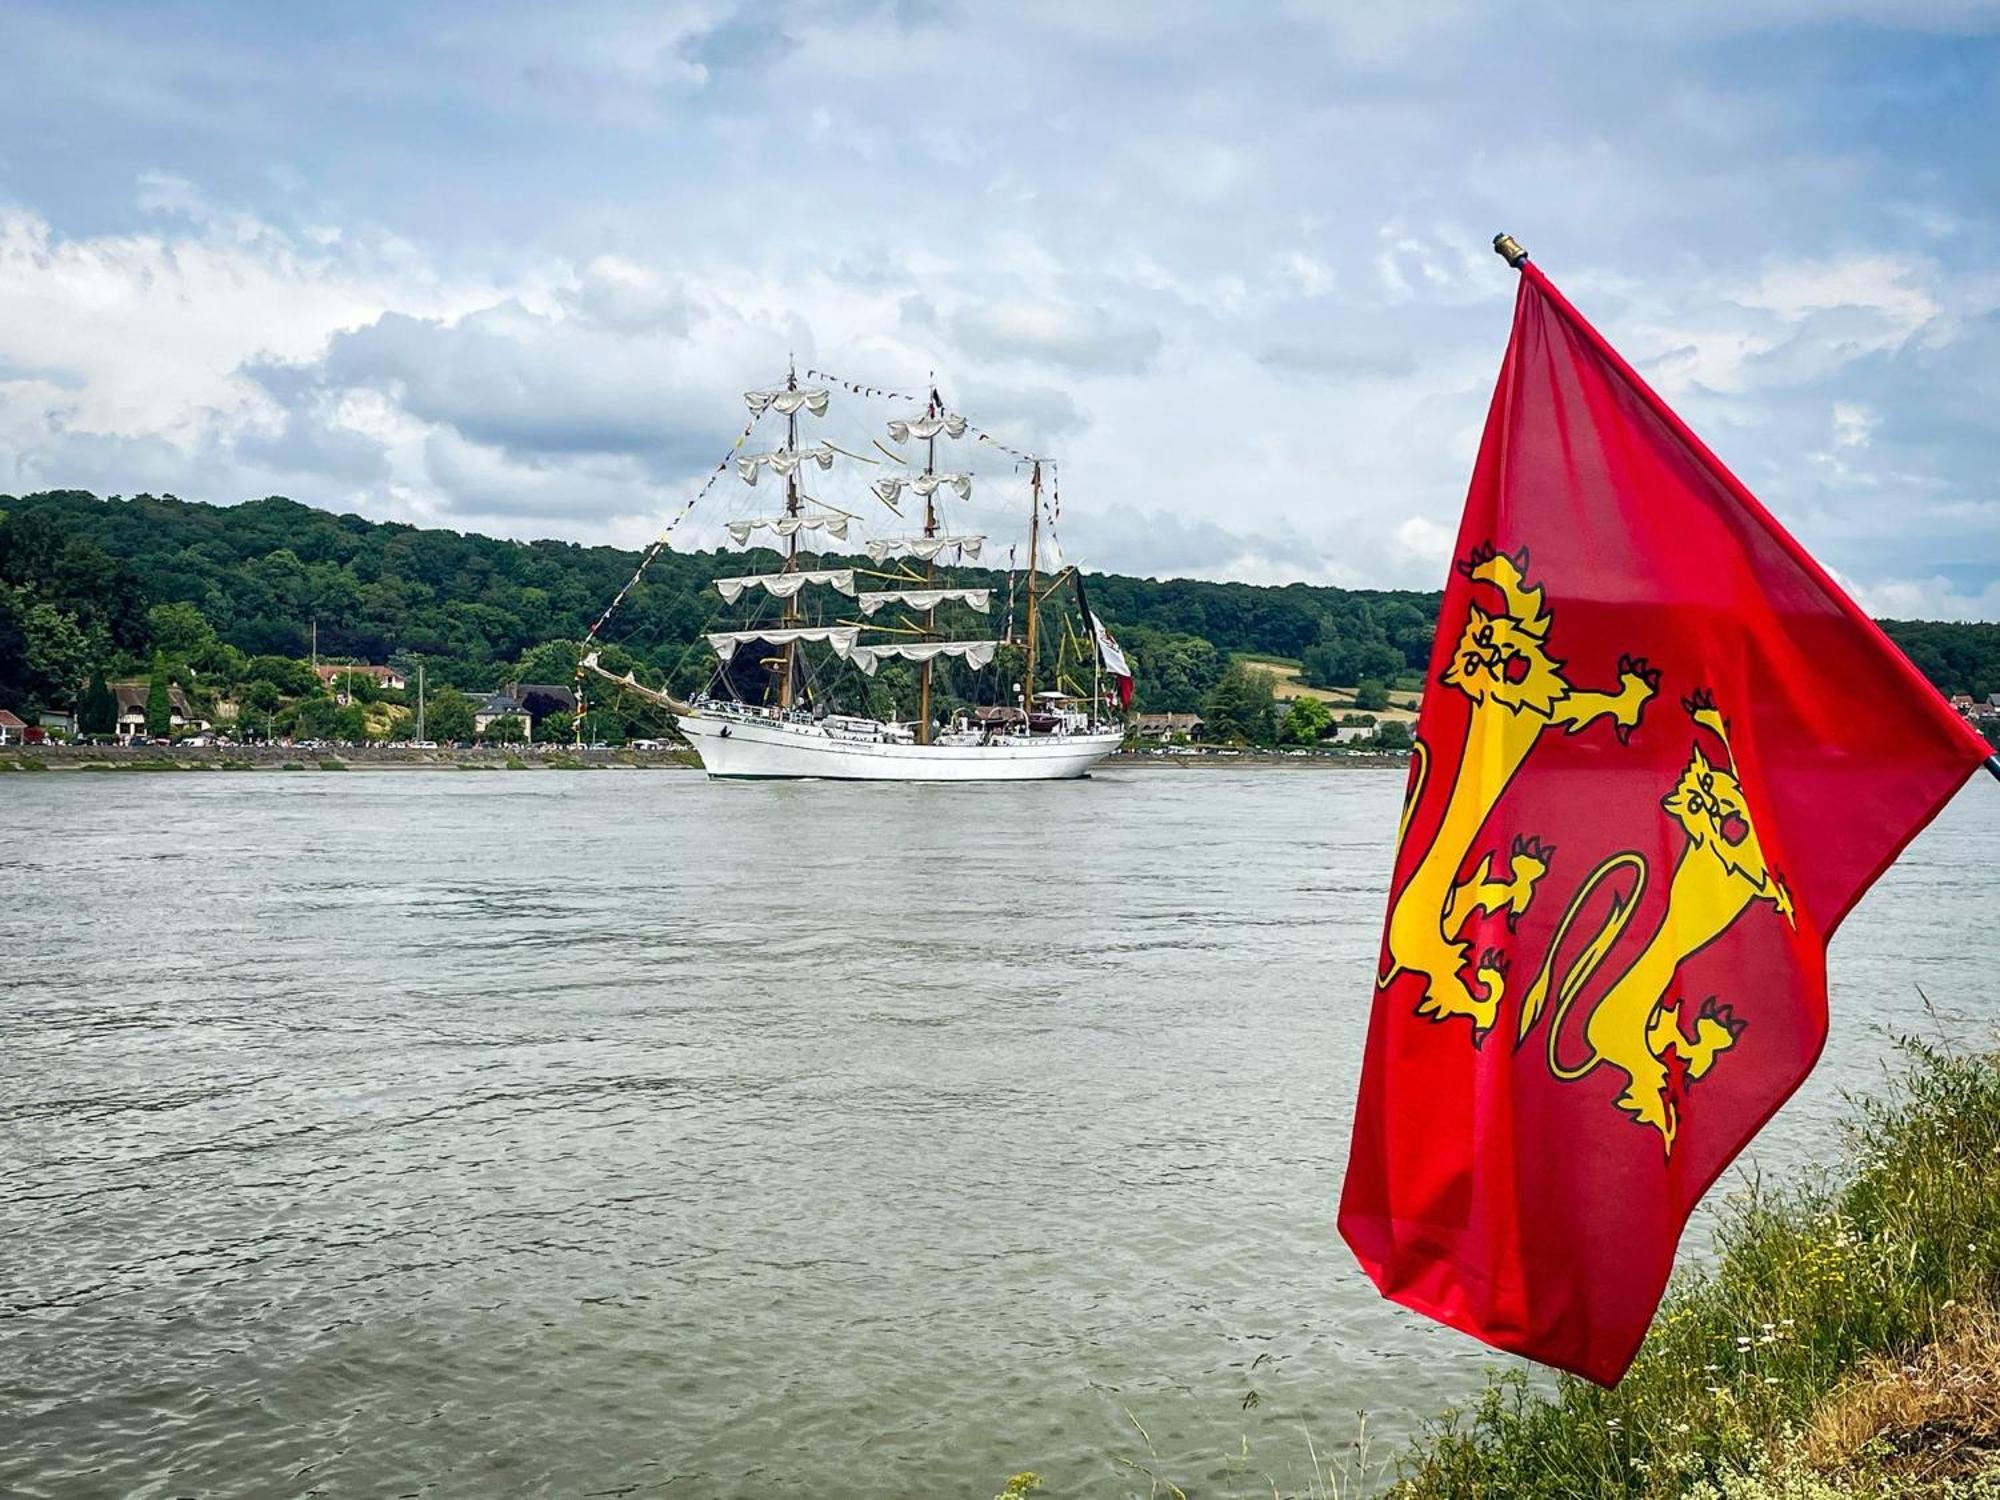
(1807, 1285)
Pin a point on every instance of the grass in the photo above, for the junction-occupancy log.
(1844, 1342)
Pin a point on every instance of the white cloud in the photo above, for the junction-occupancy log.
(1075, 338)
(1852, 422)
(505, 263)
(1426, 539)
(1934, 598)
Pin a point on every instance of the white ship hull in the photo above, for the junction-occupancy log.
(740, 747)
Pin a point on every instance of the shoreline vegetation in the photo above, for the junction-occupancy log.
(1841, 1340)
(275, 621)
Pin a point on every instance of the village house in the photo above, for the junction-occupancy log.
(501, 706)
(336, 677)
(12, 728)
(58, 721)
(131, 696)
(540, 699)
(1162, 728)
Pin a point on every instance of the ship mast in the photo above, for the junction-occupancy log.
(930, 579)
(787, 673)
(1028, 649)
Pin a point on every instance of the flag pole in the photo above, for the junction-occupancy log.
(1509, 249)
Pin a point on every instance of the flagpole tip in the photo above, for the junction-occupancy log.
(1509, 249)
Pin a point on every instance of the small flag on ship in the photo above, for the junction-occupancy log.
(1661, 755)
(1109, 656)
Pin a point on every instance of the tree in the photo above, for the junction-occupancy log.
(59, 656)
(316, 719)
(14, 671)
(1371, 695)
(1242, 707)
(1393, 735)
(508, 729)
(98, 711)
(1173, 671)
(351, 724)
(1306, 721)
(180, 632)
(1343, 663)
(159, 702)
(447, 715)
(557, 727)
(551, 661)
(294, 679)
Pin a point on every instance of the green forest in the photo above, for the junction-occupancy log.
(218, 599)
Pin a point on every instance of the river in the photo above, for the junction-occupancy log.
(624, 1133)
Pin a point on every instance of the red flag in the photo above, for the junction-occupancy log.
(1661, 755)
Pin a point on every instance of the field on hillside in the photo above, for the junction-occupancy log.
(1285, 685)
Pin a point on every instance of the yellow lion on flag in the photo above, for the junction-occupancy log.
(1518, 693)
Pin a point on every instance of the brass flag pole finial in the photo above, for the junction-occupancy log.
(1509, 249)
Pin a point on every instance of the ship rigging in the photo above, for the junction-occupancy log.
(776, 715)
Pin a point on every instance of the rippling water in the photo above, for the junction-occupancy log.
(458, 1134)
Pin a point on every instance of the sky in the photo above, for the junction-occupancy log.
(507, 268)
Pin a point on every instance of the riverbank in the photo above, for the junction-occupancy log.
(1278, 760)
(1845, 1342)
(151, 758)
(158, 758)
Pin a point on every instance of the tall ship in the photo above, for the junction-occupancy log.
(797, 688)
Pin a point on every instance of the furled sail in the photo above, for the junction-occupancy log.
(951, 424)
(840, 637)
(889, 488)
(833, 526)
(786, 401)
(924, 548)
(868, 658)
(781, 461)
(979, 599)
(784, 585)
